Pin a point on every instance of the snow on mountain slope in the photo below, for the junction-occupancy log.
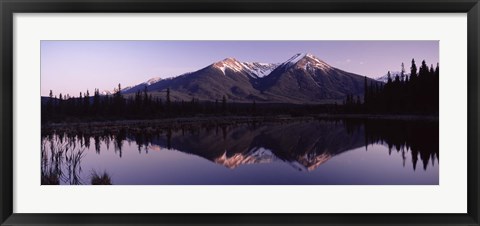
(293, 60)
(230, 63)
(253, 69)
(152, 80)
(307, 62)
(310, 63)
(106, 92)
(259, 70)
(384, 78)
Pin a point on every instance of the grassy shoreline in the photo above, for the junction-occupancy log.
(156, 125)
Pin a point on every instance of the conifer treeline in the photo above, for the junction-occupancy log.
(414, 94)
(141, 105)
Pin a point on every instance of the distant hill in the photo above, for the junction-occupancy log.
(384, 78)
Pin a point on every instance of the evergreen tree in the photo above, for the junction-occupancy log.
(86, 102)
(96, 102)
(413, 70)
(416, 95)
(118, 101)
(60, 104)
(402, 72)
(397, 79)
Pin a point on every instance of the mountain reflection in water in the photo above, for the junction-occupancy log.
(260, 152)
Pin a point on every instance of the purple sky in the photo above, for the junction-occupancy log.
(71, 67)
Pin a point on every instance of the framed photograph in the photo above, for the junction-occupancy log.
(230, 112)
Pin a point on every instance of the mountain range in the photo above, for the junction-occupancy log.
(302, 79)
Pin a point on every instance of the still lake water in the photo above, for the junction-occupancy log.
(350, 152)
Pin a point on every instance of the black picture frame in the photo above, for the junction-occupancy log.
(9, 7)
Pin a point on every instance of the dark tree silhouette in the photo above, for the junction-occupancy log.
(415, 95)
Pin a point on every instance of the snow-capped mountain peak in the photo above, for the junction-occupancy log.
(259, 70)
(253, 69)
(307, 62)
(310, 55)
(106, 92)
(311, 63)
(152, 80)
(228, 63)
